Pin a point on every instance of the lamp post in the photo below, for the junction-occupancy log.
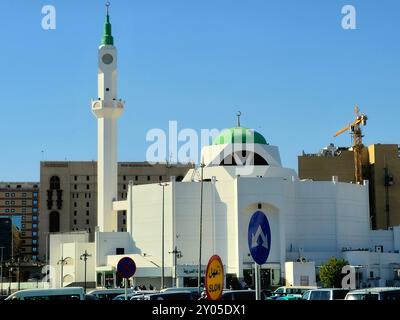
(62, 262)
(163, 185)
(201, 226)
(1, 269)
(177, 254)
(84, 257)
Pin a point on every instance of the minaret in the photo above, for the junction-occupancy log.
(107, 109)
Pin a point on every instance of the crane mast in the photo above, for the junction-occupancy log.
(357, 136)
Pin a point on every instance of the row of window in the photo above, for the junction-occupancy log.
(76, 178)
(76, 204)
(23, 202)
(34, 218)
(23, 210)
(76, 187)
(34, 226)
(76, 195)
(24, 194)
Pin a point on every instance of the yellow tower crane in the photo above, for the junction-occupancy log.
(356, 132)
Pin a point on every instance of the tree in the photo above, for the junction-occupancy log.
(331, 273)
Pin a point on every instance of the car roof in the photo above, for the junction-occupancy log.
(373, 290)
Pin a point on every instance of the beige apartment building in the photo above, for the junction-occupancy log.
(68, 193)
(20, 202)
(381, 166)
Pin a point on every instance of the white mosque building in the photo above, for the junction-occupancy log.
(310, 221)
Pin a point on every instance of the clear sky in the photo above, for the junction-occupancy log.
(286, 64)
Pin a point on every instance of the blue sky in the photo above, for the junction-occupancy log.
(287, 65)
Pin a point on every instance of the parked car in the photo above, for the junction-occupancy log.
(296, 292)
(243, 295)
(173, 295)
(62, 294)
(121, 297)
(108, 294)
(374, 294)
(325, 294)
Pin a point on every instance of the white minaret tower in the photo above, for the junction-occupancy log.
(107, 109)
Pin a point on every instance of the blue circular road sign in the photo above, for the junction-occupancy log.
(259, 237)
(126, 267)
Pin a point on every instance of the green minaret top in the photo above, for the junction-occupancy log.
(107, 37)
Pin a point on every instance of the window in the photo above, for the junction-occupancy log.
(87, 212)
(75, 221)
(87, 178)
(124, 221)
(12, 194)
(124, 213)
(34, 210)
(7, 195)
(75, 186)
(90, 196)
(77, 195)
(54, 223)
(34, 249)
(7, 210)
(35, 194)
(13, 202)
(75, 213)
(24, 195)
(7, 203)
(124, 178)
(23, 226)
(24, 210)
(73, 196)
(87, 204)
(75, 204)
(35, 203)
(136, 178)
(124, 186)
(76, 178)
(12, 210)
(87, 221)
(54, 183)
(34, 218)
(23, 218)
(34, 226)
(87, 187)
(120, 251)
(34, 241)
(24, 202)
(160, 178)
(148, 178)
(34, 234)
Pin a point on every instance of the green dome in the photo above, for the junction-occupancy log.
(239, 135)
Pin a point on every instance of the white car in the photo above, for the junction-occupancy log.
(325, 294)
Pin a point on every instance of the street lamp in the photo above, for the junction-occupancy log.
(1, 269)
(84, 257)
(62, 262)
(163, 185)
(201, 226)
(177, 254)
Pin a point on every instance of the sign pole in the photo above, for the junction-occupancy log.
(257, 280)
(126, 289)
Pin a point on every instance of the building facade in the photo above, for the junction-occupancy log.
(69, 193)
(381, 167)
(20, 201)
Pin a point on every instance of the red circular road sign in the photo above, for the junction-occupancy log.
(215, 276)
(126, 267)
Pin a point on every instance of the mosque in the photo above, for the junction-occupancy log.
(241, 174)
